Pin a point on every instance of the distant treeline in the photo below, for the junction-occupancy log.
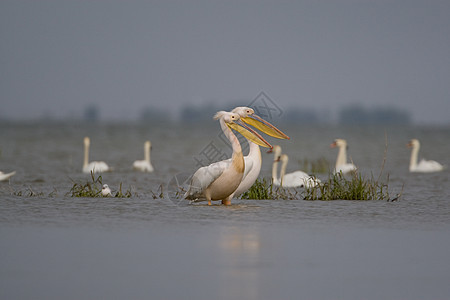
(351, 114)
(360, 115)
(347, 115)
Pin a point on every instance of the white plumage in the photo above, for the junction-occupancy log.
(424, 166)
(6, 176)
(294, 179)
(218, 181)
(94, 166)
(341, 160)
(144, 165)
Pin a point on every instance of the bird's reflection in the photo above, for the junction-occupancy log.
(240, 255)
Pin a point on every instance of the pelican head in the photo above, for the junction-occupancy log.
(249, 117)
(233, 121)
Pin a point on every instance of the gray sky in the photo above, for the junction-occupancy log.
(57, 57)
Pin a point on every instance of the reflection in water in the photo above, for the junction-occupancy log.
(240, 253)
(59, 247)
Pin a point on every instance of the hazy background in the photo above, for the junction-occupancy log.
(117, 60)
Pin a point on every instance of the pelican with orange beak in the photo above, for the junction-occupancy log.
(253, 160)
(219, 180)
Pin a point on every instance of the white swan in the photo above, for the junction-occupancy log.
(6, 176)
(294, 179)
(219, 180)
(297, 178)
(106, 191)
(341, 161)
(144, 165)
(424, 166)
(94, 166)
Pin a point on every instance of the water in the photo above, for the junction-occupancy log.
(54, 246)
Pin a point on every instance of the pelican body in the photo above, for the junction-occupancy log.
(341, 161)
(94, 166)
(424, 166)
(144, 165)
(253, 160)
(219, 180)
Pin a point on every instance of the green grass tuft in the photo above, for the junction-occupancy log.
(263, 189)
(94, 189)
(354, 187)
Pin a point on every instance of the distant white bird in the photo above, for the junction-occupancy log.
(94, 166)
(144, 165)
(297, 178)
(219, 180)
(341, 161)
(424, 166)
(106, 191)
(294, 179)
(6, 176)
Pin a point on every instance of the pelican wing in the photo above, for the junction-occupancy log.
(203, 178)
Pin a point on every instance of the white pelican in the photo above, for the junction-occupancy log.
(106, 191)
(144, 165)
(6, 176)
(294, 179)
(253, 160)
(341, 161)
(94, 166)
(424, 166)
(219, 180)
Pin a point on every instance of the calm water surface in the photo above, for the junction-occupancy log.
(58, 247)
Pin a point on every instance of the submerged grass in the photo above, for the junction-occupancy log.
(29, 192)
(161, 193)
(94, 189)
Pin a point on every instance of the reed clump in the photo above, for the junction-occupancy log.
(261, 189)
(337, 187)
(352, 187)
(161, 193)
(94, 189)
(264, 189)
(29, 192)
